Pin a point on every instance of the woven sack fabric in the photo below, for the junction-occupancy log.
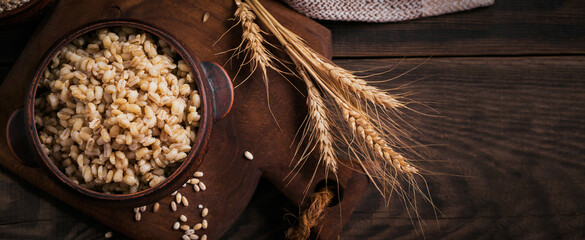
(381, 10)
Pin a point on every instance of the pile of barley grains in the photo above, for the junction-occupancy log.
(117, 111)
(7, 5)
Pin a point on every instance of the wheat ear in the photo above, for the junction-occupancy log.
(349, 82)
(362, 127)
(320, 128)
(259, 56)
(256, 52)
(369, 131)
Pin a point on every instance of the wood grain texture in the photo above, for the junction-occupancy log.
(512, 128)
(28, 213)
(507, 144)
(230, 178)
(527, 27)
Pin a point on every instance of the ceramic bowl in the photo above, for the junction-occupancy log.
(215, 89)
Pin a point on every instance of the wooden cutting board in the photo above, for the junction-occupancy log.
(230, 178)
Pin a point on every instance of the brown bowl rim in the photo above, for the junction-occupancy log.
(25, 11)
(195, 156)
(20, 9)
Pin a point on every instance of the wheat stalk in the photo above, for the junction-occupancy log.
(354, 100)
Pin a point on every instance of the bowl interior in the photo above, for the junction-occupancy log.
(194, 157)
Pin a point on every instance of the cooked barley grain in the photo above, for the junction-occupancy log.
(184, 201)
(174, 206)
(248, 155)
(205, 17)
(197, 226)
(155, 207)
(124, 113)
(184, 227)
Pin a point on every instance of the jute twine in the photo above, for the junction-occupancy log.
(311, 216)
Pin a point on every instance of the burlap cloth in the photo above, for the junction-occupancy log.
(381, 10)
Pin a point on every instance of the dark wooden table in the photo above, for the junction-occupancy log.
(506, 147)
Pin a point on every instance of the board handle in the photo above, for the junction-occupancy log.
(347, 186)
(222, 90)
(16, 138)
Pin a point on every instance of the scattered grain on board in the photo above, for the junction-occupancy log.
(189, 233)
(185, 237)
(204, 237)
(196, 188)
(109, 234)
(198, 174)
(197, 226)
(174, 193)
(185, 227)
(184, 201)
(202, 186)
(248, 155)
(205, 16)
(194, 180)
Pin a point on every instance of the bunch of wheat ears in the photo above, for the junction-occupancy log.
(368, 131)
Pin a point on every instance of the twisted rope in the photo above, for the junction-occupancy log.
(311, 216)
